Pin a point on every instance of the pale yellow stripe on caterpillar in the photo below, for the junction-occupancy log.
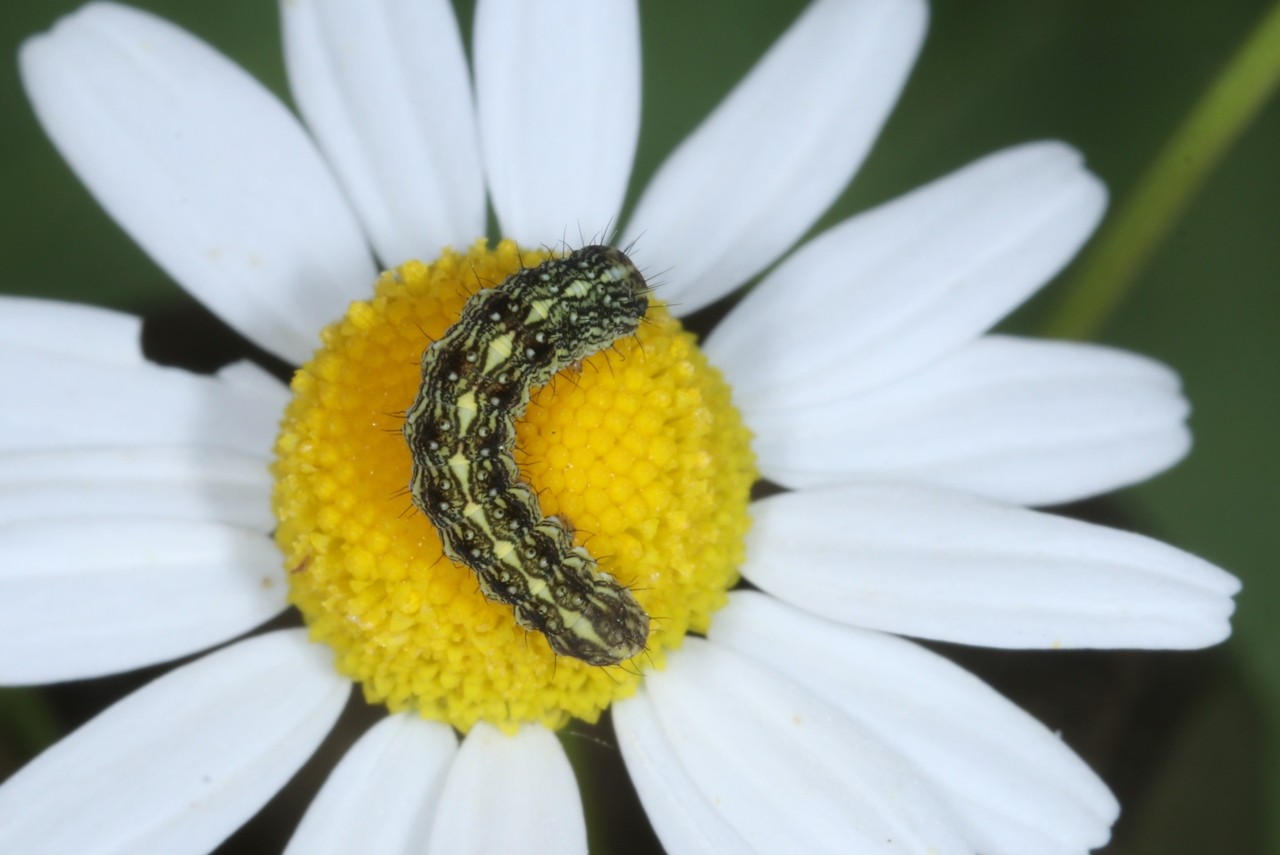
(476, 382)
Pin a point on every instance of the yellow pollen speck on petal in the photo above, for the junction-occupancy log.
(639, 450)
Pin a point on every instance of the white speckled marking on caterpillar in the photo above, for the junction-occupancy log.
(476, 382)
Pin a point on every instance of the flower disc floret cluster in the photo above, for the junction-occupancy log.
(639, 449)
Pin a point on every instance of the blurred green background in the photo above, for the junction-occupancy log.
(1188, 741)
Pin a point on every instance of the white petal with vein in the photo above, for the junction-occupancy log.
(761, 169)
(933, 563)
(153, 482)
(77, 400)
(683, 817)
(382, 797)
(72, 329)
(558, 95)
(86, 596)
(889, 291)
(204, 168)
(510, 794)
(1028, 422)
(384, 86)
(1014, 786)
(784, 768)
(178, 765)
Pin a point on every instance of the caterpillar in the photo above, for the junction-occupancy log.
(461, 430)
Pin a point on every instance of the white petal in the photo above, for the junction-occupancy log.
(558, 95)
(1027, 422)
(204, 168)
(157, 482)
(684, 820)
(251, 379)
(889, 291)
(382, 797)
(510, 794)
(772, 157)
(784, 768)
(85, 596)
(933, 563)
(384, 87)
(70, 329)
(180, 764)
(1014, 786)
(72, 399)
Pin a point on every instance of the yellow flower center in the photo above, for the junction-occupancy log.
(640, 449)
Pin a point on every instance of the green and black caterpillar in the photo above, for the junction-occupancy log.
(461, 432)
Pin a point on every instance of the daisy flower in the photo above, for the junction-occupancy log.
(163, 513)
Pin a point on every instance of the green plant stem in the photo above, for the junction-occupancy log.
(1110, 268)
